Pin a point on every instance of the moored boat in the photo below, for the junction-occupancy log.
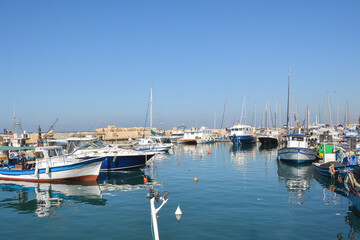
(114, 157)
(195, 136)
(297, 149)
(333, 162)
(52, 165)
(152, 144)
(352, 184)
(242, 134)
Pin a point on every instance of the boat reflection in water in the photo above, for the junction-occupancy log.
(242, 154)
(124, 180)
(195, 151)
(352, 218)
(43, 199)
(297, 180)
(333, 190)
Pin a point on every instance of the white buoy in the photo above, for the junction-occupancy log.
(178, 213)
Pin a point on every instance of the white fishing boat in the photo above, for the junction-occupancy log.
(242, 134)
(51, 165)
(195, 136)
(297, 149)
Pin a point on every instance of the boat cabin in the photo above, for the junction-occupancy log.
(49, 152)
(240, 130)
(297, 141)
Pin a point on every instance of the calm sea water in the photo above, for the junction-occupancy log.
(242, 193)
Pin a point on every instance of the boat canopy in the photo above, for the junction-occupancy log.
(328, 148)
(157, 133)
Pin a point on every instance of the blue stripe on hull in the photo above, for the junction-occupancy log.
(242, 139)
(296, 161)
(124, 162)
(325, 171)
(52, 169)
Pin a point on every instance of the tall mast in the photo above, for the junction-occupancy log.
(255, 115)
(280, 116)
(266, 116)
(151, 106)
(297, 113)
(337, 113)
(329, 109)
(347, 112)
(288, 104)
(245, 108)
(276, 111)
(224, 113)
(242, 110)
(214, 119)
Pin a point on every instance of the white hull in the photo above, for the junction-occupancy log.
(86, 170)
(298, 155)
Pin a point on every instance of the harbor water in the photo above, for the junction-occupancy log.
(241, 193)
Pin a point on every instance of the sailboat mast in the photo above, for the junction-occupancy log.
(266, 116)
(288, 104)
(329, 109)
(255, 115)
(347, 113)
(337, 113)
(224, 113)
(151, 106)
(242, 110)
(297, 113)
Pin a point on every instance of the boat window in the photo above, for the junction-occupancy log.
(39, 155)
(297, 139)
(52, 153)
(59, 152)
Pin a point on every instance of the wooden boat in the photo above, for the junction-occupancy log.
(352, 184)
(333, 163)
(52, 165)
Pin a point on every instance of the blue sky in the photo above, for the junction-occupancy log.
(91, 63)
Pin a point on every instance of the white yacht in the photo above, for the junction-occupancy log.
(195, 136)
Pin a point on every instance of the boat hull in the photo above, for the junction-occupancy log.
(270, 141)
(114, 163)
(87, 170)
(343, 170)
(354, 195)
(297, 155)
(189, 141)
(248, 139)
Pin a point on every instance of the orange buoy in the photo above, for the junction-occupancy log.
(209, 153)
(332, 170)
(196, 179)
(177, 159)
(145, 180)
(340, 178)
